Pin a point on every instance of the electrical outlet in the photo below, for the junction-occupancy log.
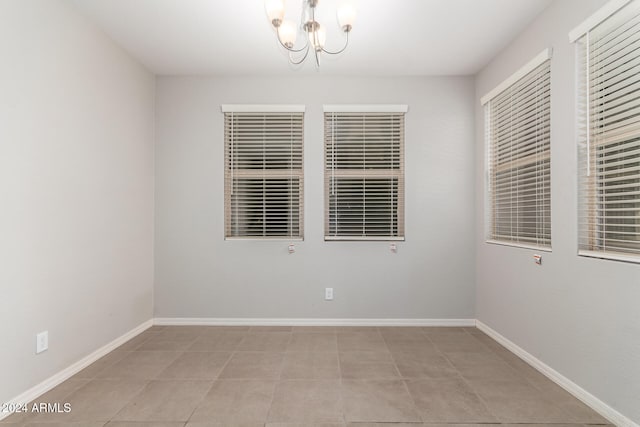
(42, 342)
(328, 294)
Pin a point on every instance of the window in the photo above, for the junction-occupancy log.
(608, 63)
(364, 172)
(263, 171)
(517, 115)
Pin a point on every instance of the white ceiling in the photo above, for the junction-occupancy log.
(390, 37)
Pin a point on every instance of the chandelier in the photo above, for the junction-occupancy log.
(314, 33)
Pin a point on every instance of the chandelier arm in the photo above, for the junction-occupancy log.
(301, 60)
(341, 50)
(290, 49)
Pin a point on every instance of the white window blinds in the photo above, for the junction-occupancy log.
(517, 121)
(608, 64)
(264, 178)
(364, 174)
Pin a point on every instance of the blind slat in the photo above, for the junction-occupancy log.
(264, 177)
(518, 135)
(609, 154)
(364, 176)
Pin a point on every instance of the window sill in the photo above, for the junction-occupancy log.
(266, 239)
(611, 256)
(358, 239)
(519, 245)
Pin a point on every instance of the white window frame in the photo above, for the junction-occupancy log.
(231, 171)
(398, 174)
(533, 64)
(592, 235)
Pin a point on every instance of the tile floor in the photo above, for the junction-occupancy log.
(199, 376)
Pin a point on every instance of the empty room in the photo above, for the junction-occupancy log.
(319, 213)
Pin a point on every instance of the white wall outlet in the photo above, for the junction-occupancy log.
(537, 259)
(42, 342)
(328, 294)
(291, 248)
(393, 248)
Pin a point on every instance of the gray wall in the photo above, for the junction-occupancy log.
(578, 315)
(76, 190)
(199, 274)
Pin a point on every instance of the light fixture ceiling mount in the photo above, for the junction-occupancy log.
(315, 34)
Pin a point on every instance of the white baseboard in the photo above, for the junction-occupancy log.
(51, 382)
(587, 398)
(236, 321)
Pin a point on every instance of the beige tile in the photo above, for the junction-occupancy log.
(418, 364)
(378, 401)
(142, 424)
(525, 370)
(61, 392)
(579, 412)
(448, 400)
(408, 343)
(187, 332)
(234, 402)
(253, 365)
(369, 370)
(136, 341)
(401, 331)
(225, 424)
(140, 365)
(99, 365)
(201, 365)
(213, 330)
(492, 344)
(165, 401)
(365, 357)
(310, 425)
(385, 425)
(519, 402)
(482, 365)
(265, 341)
(467, 425)
(357, 329)
(306, 401)
(157, 344)
(455, 342)
(270, 328)
(66, 424)
(443, 330)
(314, 341)
(541, 425)
(309, 365)
(358, 341)
(98, 400)
(221, 341)
(314, 329)
(149, 333)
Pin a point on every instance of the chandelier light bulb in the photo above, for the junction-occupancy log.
(287, 33)
(313, 34)
(275, 11)
(346, 16)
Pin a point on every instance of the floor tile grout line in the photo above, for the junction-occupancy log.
(210, 388)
